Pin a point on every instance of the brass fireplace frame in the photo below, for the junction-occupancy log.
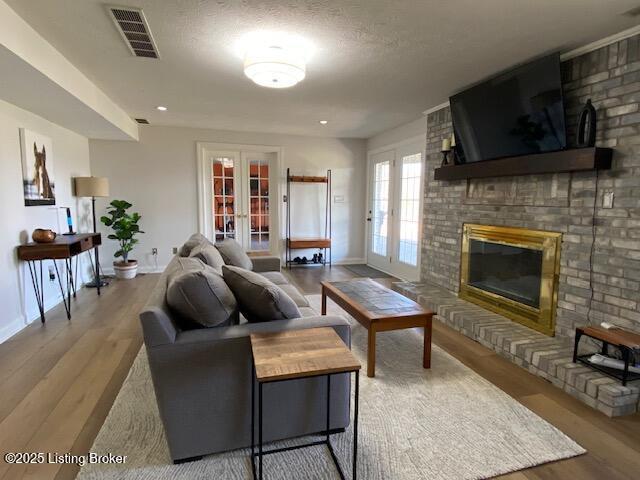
(542, 319)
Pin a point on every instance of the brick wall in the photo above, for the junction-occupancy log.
(564, 202)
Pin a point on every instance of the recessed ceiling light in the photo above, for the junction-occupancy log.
(323, 122)
(161, 108)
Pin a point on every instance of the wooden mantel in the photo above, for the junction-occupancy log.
(572, 160)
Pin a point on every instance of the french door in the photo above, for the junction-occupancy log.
(394, 211)
(236, 197)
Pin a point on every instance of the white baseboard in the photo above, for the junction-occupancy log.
(349, 261)
(11, 329)
(32, 314)
(146, 269)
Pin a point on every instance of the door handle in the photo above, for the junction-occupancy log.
(368, 219)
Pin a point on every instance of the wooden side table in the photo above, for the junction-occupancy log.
(626, 341)
(297, 354)
(64, 247)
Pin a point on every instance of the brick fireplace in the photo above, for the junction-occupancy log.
(561, 202)
(599, 268)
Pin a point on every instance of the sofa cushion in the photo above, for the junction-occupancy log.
(275, 277)
(193, 241)
(260, 300)
(233, 254)
(295, 295)
(199, 294)
(209, 255)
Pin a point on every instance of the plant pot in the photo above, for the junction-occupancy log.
(126, 270)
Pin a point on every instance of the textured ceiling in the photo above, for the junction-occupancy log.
(377, 63)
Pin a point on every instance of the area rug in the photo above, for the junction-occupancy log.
(442, 423)
(366, 271)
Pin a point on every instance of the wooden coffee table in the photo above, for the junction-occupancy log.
(379, 309)
(293, 354)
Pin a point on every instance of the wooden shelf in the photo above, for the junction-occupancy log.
(573, 160)
(304, 179)
(300, 243)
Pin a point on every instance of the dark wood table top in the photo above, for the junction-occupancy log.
(374, 301)
(614, 336)
(300, 353)
(64, 246)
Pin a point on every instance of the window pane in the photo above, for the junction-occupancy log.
(410, 209)
(379, 214)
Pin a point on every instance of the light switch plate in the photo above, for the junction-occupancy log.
(338, 199)
(607, 200)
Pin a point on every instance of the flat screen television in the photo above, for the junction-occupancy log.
(518, 112)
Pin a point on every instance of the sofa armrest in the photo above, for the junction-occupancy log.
(218, 334)
(266, 264)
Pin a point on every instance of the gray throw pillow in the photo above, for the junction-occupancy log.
(260, 300)
(209, 255)
(200, 295)
(233, 254)
(194, 240)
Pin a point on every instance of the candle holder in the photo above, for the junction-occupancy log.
(445, 158)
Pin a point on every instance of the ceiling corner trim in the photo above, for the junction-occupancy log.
(603, 42)
(19, 38)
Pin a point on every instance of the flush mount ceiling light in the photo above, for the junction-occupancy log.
(275, 60)
(323, 122)
(161, 108)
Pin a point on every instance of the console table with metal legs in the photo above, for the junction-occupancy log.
(65, 248)
(278, 357)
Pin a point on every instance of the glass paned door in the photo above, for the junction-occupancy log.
(223, 174)
(379, 209)
(259, 216)
(410, 180)
(395, 186)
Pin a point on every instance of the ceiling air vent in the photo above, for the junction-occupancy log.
(133, 26)
(142, 121)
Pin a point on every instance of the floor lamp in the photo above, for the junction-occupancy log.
(93, 187)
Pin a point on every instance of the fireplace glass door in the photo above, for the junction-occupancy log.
(512, 272)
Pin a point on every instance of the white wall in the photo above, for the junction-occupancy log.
(70, 158)
(158, 175)
(398, 134)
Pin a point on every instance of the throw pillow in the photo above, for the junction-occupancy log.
(259, 299)
(209, 255)
(200, 295)
(194, 240)
(233, 254)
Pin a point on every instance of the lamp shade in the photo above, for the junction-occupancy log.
(92, 186)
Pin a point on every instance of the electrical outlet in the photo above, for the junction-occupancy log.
(154, 251)
(175, 250)
(607, 200)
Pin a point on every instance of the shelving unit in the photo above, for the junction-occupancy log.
(301, 243)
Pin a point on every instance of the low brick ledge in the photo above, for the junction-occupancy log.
(548, 357)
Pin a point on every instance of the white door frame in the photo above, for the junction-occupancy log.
(421, 139)
(204, 188)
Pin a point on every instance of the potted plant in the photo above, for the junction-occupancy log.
(125, 227)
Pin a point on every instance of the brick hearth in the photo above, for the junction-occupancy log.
(547, 357)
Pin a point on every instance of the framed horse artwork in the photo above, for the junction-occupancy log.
(37, 169)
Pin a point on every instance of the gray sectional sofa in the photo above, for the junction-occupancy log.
(202, 376)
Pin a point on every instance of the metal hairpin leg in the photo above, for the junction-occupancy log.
(37, 286)
(65, 300)
(257, 472)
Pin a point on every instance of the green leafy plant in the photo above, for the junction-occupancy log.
(125, 226)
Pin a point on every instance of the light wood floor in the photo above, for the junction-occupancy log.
(58, 382)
